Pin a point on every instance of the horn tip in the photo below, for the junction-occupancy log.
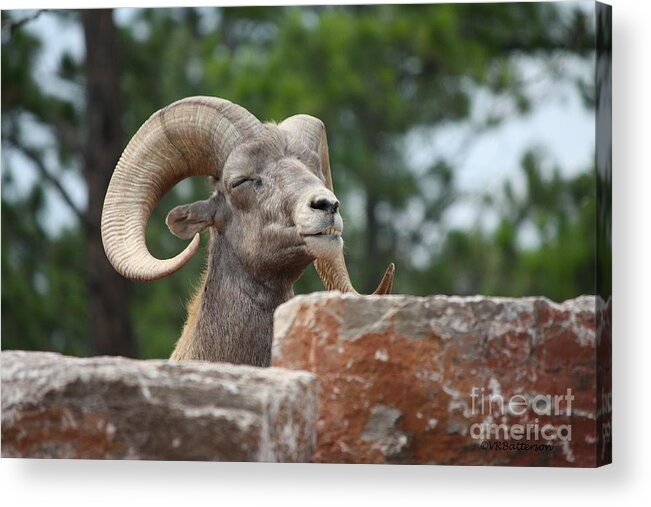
(386, 285)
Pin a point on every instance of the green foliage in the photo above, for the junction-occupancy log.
(43, 283)
(373, 74)
(556, 257)
(43, 294)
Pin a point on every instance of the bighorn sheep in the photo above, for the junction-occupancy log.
(272, 212)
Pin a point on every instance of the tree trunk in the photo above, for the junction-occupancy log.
(108, 301)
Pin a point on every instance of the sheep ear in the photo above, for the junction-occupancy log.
(189, 219)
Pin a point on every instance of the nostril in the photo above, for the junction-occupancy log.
(322, 204)
(325, 204)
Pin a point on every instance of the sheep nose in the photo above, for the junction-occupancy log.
(324, 204)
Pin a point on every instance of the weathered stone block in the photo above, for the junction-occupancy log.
(402, 379)
(115, 408)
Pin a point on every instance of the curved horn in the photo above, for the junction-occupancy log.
(333, 271)
(191, 137)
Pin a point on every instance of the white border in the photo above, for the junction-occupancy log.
(49, 482)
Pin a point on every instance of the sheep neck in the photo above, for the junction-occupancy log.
(231, 317)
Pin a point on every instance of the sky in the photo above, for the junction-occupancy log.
(559, 123)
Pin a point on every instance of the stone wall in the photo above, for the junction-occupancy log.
(115, 408)
(402, 379)
(398, 379)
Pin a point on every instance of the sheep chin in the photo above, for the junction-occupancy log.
(324, 246)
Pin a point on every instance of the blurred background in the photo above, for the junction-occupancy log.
(461, 142)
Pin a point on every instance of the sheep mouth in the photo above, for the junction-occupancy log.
(333, 232)
(325, 243)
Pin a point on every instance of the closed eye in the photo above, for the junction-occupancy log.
(238, 181)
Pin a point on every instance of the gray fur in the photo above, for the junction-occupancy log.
(261, 241)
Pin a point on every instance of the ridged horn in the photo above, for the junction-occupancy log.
(333, 272)
(190, 137)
